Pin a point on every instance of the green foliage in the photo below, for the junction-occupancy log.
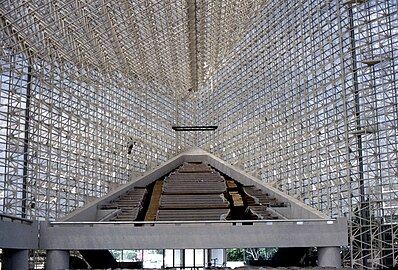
(125, 255)
(130, 255)
(249, 254)
(154, 251)
(117, 254)
(234, 254)
(254, 254)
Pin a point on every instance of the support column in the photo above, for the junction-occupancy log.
(208, 258)
(329, 257)
(15, 259)
(57, 259)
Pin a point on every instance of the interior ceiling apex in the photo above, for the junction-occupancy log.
(178, 43)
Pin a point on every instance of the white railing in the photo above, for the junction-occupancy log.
(232, 222)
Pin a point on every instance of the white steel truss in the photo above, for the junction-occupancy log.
(308, 101)
(304, 94)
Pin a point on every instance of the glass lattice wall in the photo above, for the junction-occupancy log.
(308, 103)
(69, 135)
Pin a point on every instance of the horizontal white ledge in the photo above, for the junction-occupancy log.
(202, 234)
(233, 222)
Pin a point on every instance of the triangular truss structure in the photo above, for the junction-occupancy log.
(304, 95)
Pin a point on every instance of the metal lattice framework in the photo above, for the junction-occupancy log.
(90, 90)
(174, 43)
(308, 102)
(304, 94)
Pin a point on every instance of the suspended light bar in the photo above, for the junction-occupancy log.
(194, 128)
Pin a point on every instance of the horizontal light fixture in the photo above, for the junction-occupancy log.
(194, 128)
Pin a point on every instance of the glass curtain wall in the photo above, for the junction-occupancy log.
(307, 102)
(71, 134)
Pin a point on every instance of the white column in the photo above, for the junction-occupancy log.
(57, 260)
(329, 257)
(15, 259)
